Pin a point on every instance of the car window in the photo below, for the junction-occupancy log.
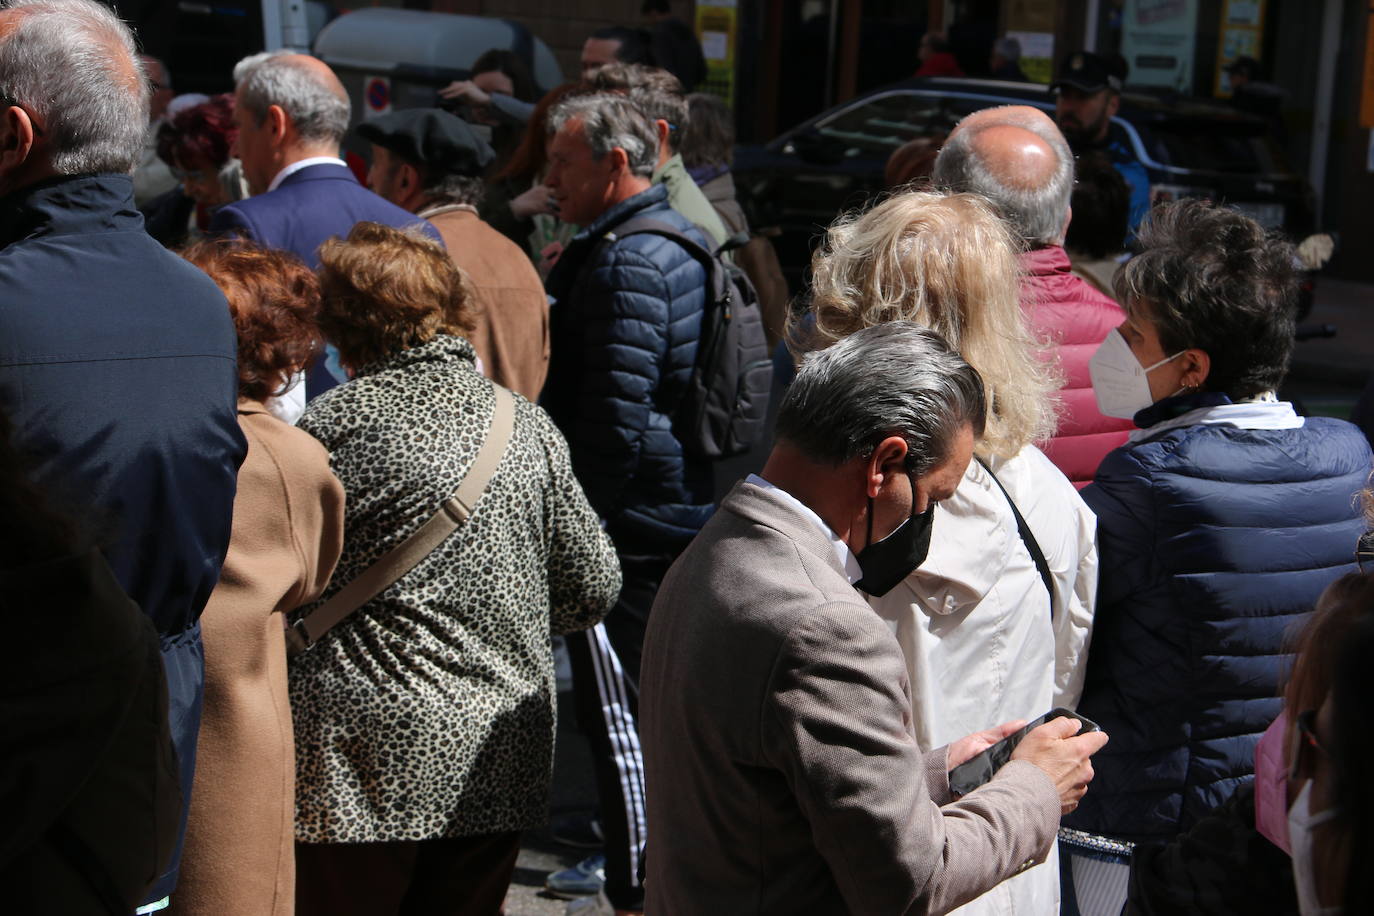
(879, 125)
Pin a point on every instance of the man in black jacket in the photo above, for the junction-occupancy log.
(624, 328)
(117, 358)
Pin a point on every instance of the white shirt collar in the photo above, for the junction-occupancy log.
(848, 562)
(1265, 411)
(295, 167)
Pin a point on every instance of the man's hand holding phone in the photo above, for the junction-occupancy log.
(1058, 748)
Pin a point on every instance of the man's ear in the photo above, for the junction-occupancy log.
(1113, 104)
(16, 139)
(408, 178)
(620, 162)
(663, 131)
(277, 123)
(888, 459)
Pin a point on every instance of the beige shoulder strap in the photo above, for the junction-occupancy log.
(402, 558)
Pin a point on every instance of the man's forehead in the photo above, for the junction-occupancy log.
(602, 50)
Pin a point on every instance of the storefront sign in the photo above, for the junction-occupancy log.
(1158, 38)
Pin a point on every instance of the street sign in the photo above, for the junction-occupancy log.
(376, 97)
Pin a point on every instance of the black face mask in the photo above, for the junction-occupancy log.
(889, 561)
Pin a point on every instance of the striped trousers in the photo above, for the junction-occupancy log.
(605, 666)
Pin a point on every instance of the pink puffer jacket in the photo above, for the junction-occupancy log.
(1075, 317)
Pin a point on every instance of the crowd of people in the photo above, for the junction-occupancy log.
(306, 462)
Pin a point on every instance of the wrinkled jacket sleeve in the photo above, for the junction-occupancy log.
(834, 726)
(625, 311)
(584, 574)
(1073, 619)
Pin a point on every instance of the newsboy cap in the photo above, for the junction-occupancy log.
(431, 137)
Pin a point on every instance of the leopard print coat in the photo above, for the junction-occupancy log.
(429, 711)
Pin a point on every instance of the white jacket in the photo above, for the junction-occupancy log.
(975, 624)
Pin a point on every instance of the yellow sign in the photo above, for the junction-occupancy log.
(1241, 35)
(718, 31)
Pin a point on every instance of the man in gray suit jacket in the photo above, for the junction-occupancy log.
(781, 770)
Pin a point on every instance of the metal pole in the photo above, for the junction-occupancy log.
(1326, 88)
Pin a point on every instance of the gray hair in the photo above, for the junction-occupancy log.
(1037, 214)
(611, 121)
(1008, 47)
(892, 379)
(272, 78)
(74, 65)
(453, 189)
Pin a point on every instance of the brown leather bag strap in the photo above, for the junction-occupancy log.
(405, 556)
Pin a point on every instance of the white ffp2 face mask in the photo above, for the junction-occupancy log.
(1301, 822)
(1119, 381)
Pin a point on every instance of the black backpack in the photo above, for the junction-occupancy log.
(726, 400)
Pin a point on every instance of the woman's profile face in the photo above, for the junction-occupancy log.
(200, 180)
(1141, 334)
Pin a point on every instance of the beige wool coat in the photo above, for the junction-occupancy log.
(286, 539)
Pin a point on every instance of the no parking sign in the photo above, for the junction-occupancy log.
(376, 96)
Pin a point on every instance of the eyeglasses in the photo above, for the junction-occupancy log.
(192, 174)
(1364, 552)
(1305, 743)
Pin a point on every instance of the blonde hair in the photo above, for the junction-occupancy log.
(948, 262)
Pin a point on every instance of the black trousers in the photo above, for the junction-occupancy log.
(605, 666)
(459, 876)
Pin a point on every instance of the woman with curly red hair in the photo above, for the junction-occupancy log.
(286, 538)
(196, 143)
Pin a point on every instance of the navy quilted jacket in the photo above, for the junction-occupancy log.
(624, 328)
(1214, 542)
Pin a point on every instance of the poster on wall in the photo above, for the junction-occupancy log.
(1032, 23)
(1158, 38)
(717, 23)
(1242, 35)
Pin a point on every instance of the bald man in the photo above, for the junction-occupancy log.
(291, 112)
(1017, 158)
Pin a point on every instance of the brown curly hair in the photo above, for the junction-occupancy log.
(275, 302)
(386, 290)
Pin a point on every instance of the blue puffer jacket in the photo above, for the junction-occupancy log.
(624, 328)
(1215, 541)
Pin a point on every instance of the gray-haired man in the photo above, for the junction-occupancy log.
(1016, 157)
(624, 329)
(291, 112)
(118, 378)
(782, 770)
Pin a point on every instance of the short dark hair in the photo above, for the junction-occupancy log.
(1101, 207)
(891, 379)
(634, 44)
(512, 65)
(709, 137)
(1211, 278)
(274, 300)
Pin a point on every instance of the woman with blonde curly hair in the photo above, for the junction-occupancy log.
(425, 717)
(990, 631)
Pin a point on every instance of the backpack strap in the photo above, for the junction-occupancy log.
(401, 559)
(1027, 537)
(647, 225)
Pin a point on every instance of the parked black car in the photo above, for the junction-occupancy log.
(800, 181)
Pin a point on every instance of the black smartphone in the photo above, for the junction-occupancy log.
(976, 771)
